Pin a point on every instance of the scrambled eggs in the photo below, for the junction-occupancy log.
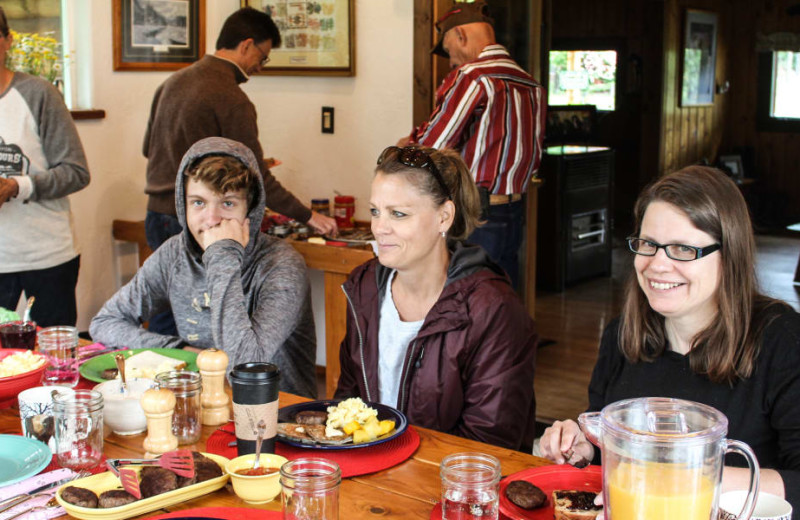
(19, 363)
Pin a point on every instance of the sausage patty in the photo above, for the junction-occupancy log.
(525, 495)
(79, 496)
(115, 498)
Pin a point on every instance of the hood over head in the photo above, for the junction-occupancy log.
(219, 146)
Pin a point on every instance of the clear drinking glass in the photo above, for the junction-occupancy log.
(78, 428)
(186, 421)
(470, 486)
(310, 489)
(60, 346)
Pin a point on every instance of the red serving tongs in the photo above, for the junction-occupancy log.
(179, 462)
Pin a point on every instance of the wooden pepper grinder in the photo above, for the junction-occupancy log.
(159, 405)
(212, 364)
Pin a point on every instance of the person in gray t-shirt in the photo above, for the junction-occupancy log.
(41, 163)
(229, 286)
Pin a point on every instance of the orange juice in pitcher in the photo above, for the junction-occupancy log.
(663, 458)
(656, 491)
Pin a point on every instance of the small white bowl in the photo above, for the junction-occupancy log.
(768, 506)
(122, 412)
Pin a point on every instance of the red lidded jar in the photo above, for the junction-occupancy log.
(344, 209)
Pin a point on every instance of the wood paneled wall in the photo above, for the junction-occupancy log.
(691, 134)
(776, 154)
(635, 29)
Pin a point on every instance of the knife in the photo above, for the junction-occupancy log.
(8, 503)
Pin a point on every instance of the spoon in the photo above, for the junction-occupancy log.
(262, 429)
(120, 360)
(26, 317)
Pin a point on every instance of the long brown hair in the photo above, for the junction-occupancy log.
(456, 177)
(725, 350)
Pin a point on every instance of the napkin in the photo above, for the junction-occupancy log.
(30, 484)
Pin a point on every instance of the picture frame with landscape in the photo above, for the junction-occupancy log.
(152, 35)
(699, 54)
(318, 37)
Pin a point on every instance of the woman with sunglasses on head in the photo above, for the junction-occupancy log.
(435, 328)
(694, 326)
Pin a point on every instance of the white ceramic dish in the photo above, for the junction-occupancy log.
(122, 412)
(768, 506)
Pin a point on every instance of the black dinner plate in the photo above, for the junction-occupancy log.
(287, 413)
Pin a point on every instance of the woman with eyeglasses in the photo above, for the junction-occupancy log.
(435, 328)
(694, 326)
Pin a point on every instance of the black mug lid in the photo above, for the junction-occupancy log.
(255, 372)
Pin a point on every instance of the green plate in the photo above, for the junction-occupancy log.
(93, 369)
(21, 457)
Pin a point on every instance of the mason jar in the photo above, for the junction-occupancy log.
(310, 489)
(470, 486)
(187, 419)
(78, 418)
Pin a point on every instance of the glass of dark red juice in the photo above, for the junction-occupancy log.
(18, 334)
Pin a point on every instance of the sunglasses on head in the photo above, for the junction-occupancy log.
(416, 158)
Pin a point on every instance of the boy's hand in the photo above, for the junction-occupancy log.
(227, 229)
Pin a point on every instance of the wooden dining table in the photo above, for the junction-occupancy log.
(410, 489)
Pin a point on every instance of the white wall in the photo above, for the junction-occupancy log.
(373, 109)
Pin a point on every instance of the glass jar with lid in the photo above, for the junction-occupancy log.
(187, 419)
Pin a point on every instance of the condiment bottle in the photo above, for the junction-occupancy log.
(321, 206)
(159, 405)
(212, 364)
(344, 209)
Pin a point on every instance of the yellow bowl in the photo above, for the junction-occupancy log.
(258, 489)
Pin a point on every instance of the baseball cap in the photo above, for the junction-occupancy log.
(460, 14)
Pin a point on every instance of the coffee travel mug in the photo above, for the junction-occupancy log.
(255, 397)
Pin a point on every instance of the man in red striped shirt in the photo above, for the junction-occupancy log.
(493, 112)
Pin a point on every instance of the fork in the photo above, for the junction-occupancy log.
(45, 507)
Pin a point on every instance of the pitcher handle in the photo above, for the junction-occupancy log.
(752, 492)
(590, 424)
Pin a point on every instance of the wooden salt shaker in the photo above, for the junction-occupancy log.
(212, 364)
(159, 405)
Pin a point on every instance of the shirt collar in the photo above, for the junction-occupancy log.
(246, 77)
(493, 49)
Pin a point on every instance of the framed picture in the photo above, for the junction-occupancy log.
(158, 34)
(732, 164)
(570, 123)
(318, 37)
(699, 58)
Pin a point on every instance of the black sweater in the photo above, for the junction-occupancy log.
(763, 410)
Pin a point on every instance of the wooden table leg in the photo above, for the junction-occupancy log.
(335, 327)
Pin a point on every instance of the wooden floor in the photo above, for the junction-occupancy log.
(575, 320)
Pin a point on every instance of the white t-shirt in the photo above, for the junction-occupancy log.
(394, 336)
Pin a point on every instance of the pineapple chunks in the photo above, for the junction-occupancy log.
(369, 431)
(350, 427)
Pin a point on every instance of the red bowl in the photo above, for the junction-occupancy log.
(13, 385)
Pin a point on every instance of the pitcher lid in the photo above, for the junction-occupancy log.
(667, 420)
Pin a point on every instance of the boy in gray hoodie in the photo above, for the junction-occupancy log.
(229, 285)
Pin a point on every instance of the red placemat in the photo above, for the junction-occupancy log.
(226, 513)
(54, 465)
(352, 462)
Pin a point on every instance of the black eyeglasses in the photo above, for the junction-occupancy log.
(416, 158)
(680, 252)
(266, 58)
